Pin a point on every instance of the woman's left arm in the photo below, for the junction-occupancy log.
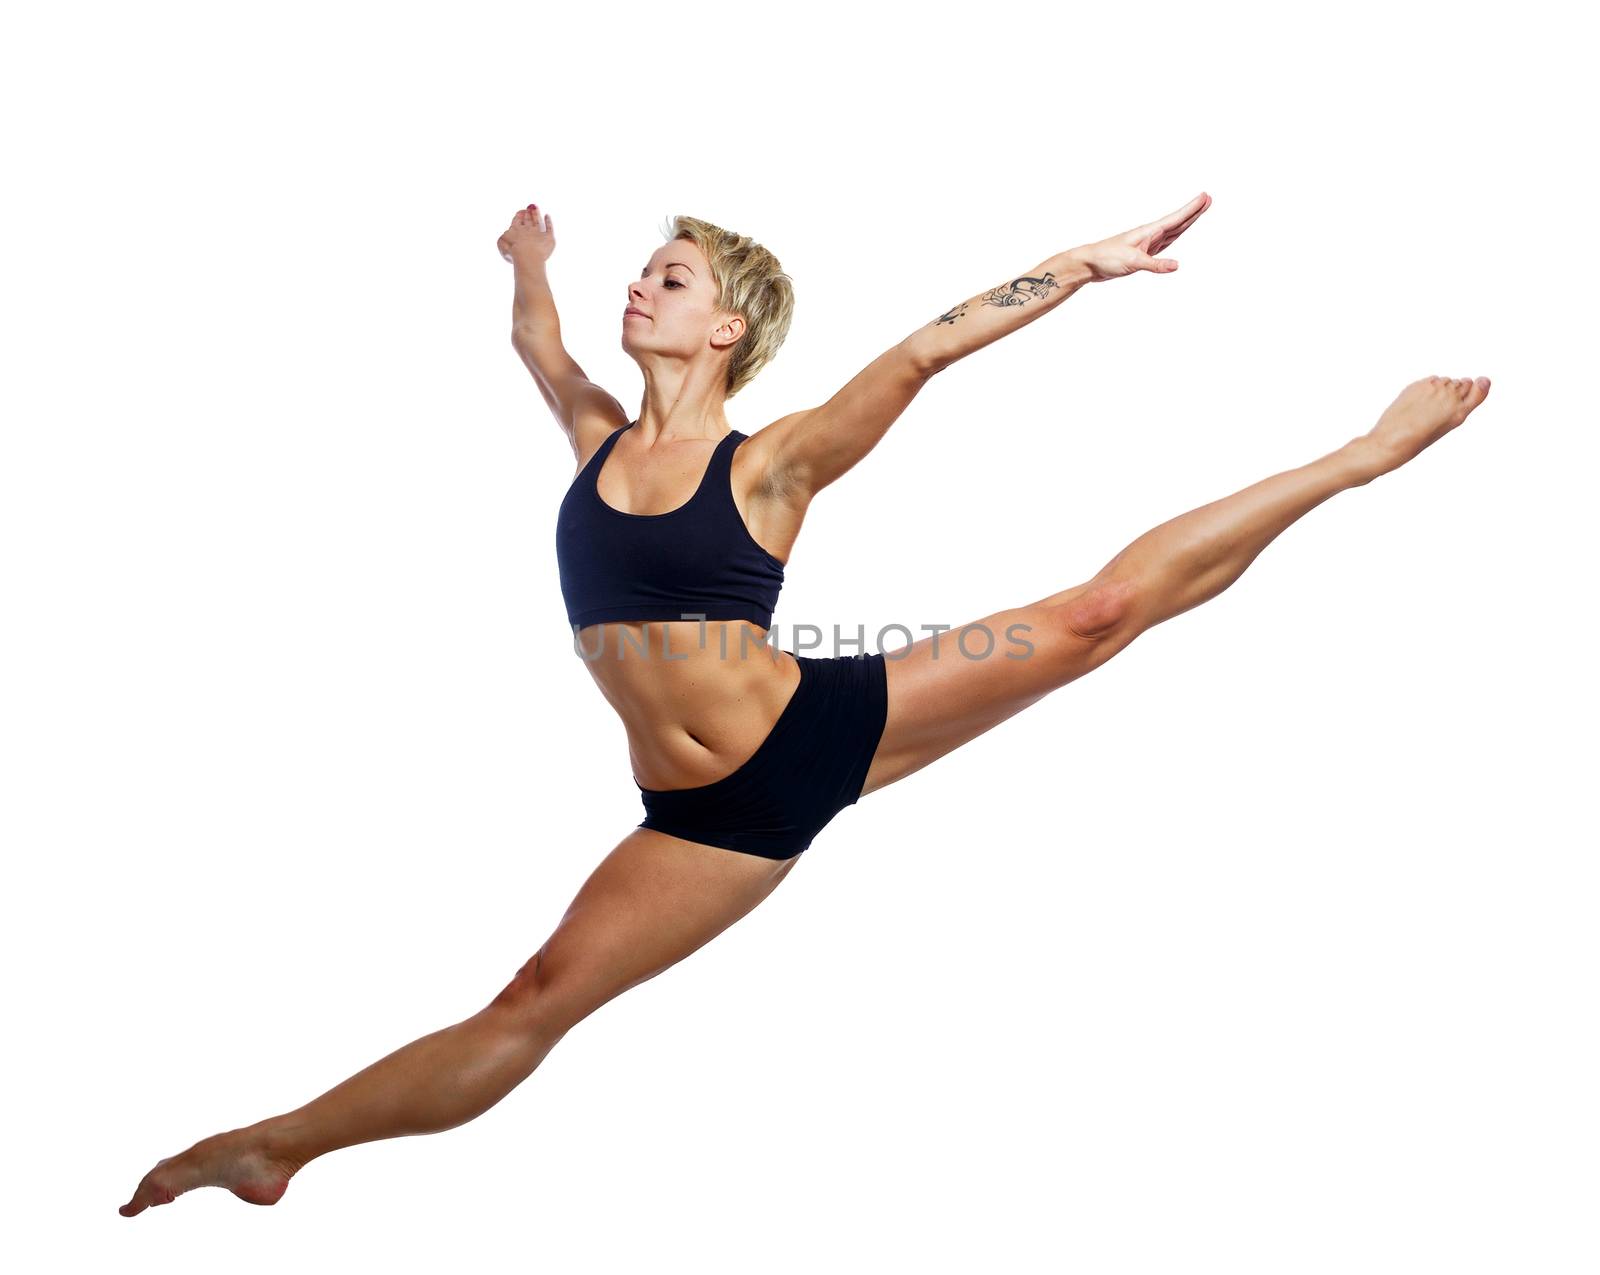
(811, 449)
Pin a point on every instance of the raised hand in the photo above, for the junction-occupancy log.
(531, 234)
(1140, 248)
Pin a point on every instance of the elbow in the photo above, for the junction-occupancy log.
(920, 362)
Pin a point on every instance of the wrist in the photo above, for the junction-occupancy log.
(1071, 268)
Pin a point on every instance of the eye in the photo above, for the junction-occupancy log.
(675, 283)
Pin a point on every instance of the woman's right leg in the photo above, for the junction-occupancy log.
(651, 902)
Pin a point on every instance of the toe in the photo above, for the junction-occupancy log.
(138, 1204)
(150, 1191)
(1477, 391)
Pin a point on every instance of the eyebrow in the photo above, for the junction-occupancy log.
(668, 266)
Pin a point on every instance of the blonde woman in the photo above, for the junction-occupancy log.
(671, 544)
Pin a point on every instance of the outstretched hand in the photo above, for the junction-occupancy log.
(531, 233)
(1140, 248)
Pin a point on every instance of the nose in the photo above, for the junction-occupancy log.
(635, 291)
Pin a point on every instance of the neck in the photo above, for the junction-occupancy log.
(682, 402)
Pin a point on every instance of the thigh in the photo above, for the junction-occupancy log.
(651, 902)
(946, 690)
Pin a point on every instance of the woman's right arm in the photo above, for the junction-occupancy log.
(585, 412)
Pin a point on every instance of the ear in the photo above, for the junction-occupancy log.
(728, 332)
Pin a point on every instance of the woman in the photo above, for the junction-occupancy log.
(671, 544)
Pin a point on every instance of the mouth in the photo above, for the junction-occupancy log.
(633, 314)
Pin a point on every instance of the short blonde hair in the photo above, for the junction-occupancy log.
(751, 283)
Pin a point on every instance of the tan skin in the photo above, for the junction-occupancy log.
(654, 899)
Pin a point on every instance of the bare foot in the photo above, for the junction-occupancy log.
(241, 1160)
(1424, 412)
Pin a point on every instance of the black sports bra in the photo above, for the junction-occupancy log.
(696, 561)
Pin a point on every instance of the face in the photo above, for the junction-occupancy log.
(675, 296)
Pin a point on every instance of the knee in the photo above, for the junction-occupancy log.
(530, 995)
(1102, 609)
(555, 990)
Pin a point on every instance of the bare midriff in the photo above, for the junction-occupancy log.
(696, 697)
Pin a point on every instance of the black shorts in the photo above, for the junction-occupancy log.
(811, 765)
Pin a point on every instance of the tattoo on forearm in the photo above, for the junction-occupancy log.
(1017, 292)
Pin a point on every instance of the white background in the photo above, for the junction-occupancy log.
(1268, 947)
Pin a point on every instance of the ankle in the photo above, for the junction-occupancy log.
(1362, 459)
(285, 1140)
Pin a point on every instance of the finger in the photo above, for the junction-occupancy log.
(1156, 265)
(1179, 219)
(1167, 236)
(1191, 210)
(1168, 233)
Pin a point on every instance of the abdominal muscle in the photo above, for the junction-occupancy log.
(696, 700)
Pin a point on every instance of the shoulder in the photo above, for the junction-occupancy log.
(592, 421)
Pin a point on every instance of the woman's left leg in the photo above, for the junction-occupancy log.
(944, 691)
